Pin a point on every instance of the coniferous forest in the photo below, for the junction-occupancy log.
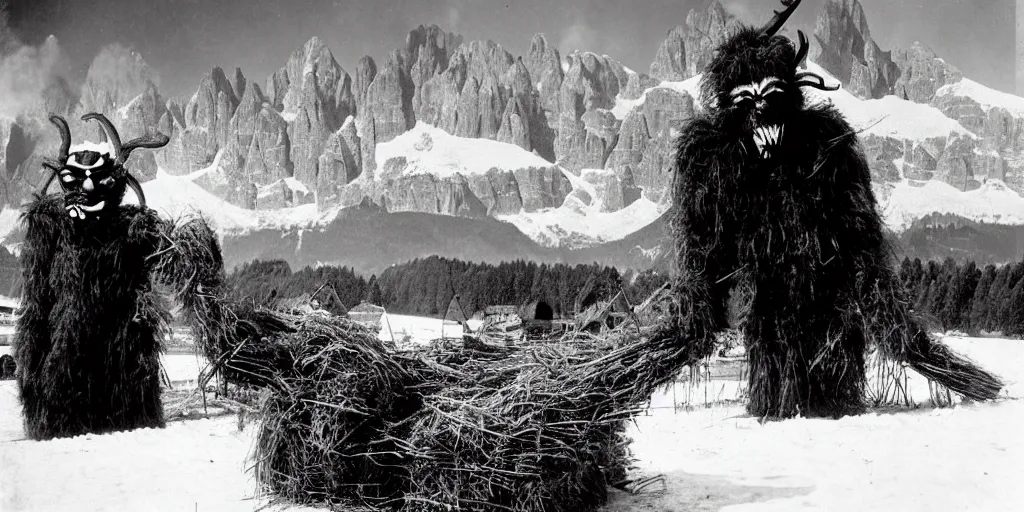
(425, 286)
(952, 295)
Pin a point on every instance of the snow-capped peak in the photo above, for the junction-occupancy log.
(987, 97)
(431, 150)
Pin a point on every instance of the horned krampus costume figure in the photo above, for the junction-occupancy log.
(89, 335)
(773, 198)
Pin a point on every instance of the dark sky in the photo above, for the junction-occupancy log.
(182, 39)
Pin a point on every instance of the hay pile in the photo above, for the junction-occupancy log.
(472, 427)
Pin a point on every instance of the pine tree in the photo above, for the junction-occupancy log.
(1003, 302)
(979, 300)
(961, 289)
(1014, 322)
(995, 294)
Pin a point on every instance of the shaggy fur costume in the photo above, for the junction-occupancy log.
(800, 237)
(89, 336)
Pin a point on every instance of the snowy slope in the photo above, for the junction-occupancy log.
(176, 196)
(890, 116)
(428, 149)
(580, 221)
(993, 203)
(985, 96)
(690, 86)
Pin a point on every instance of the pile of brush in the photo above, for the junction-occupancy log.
(468, 427)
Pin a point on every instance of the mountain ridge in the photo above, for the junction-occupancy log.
(314, 139)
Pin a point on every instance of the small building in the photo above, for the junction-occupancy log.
(324, 299)
(537, 310)
(455, 313)
(537, 318)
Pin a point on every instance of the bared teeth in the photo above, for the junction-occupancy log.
(765, 137)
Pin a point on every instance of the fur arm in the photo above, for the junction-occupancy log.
(189, 261)
(704, 169)
(878, 295)
(43, 219)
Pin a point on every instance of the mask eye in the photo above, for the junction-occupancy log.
(69, 176)
(742, 100)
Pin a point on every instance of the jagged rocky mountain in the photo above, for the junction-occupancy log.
(465, 128)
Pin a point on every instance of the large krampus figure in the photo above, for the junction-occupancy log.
(773, 199)
(89, 334)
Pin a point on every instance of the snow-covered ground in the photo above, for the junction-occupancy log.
(183, 369)
(968, 457)
(408, 331)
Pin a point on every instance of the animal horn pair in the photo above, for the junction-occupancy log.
(121, 152)
(55, 165)
(65, 144)
(805, 79)
(778, 20)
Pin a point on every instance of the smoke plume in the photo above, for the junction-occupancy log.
(25, 71)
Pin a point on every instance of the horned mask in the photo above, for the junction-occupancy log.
(94, 178)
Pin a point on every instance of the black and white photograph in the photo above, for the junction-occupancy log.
(511, 255)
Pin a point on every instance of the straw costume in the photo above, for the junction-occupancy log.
(773, 199)
(89, 333)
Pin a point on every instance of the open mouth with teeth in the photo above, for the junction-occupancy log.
(81, 206)
(79, 211)
(768, 139)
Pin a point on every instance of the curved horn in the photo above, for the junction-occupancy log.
(801, 53)
(780, 18)
(808, 79)
(155, 141)
(137, 188)
(53, 174)
(65, 137)
(112, 137)
(52, 164)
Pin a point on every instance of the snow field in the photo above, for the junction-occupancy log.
(713, 457)
(410, 331)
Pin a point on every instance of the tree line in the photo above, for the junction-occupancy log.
(953, 295)
(425, 286)
(963, 297)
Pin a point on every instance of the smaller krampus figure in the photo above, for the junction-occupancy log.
(89, 334)
(773, 198)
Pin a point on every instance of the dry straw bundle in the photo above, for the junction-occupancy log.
(471, 427)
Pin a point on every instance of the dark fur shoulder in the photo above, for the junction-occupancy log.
(701, 139)
(825, 127)
(44, 220)
(834, 144)
(40, 205)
